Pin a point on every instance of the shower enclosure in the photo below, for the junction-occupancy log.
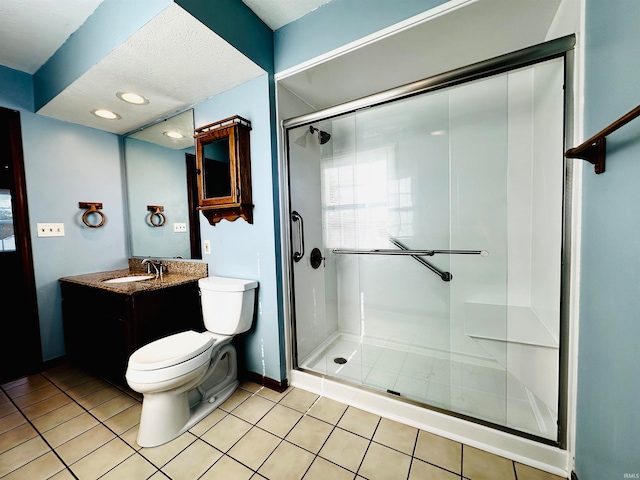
(426, 239)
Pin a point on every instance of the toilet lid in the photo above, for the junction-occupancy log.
(170, 350)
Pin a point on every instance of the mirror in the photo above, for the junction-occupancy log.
(161, 192)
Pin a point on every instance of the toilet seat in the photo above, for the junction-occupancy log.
(170, 357)
(169, 351)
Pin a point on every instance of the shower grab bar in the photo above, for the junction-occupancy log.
(296, 217)
(445, 276)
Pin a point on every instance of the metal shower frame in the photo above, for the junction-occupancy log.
(561, 47)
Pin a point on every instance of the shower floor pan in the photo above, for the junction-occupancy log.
(475, 387)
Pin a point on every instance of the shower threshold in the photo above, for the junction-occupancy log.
(471, 386)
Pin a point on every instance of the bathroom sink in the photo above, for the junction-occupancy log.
(129, 278)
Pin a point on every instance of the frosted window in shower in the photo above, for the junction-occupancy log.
(362, 204)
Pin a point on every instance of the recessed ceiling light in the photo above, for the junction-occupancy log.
(131, 97)
(437, 133)
(173, 134)
(107, 114)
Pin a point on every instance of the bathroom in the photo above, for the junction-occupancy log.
(57, 185)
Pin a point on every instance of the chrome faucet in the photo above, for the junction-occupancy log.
(148, 262)
(157, 265)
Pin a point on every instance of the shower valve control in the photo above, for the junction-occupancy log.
(316, 258)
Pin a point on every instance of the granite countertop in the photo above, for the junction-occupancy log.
(178, 273)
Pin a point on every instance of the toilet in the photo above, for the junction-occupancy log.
(185, 376)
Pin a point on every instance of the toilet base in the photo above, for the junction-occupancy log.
(167, 415)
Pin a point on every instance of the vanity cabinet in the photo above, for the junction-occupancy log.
(224, 170)
(103, 328)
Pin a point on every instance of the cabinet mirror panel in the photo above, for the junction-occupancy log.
(217, 172)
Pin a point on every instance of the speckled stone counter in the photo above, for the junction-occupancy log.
(174, 266)
(177, 273)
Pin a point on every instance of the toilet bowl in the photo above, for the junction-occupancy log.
(185, 376)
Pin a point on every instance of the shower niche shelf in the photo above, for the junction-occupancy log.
(224, 170)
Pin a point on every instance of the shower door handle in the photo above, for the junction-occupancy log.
(296, 217)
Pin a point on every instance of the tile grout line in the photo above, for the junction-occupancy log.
(368, 446)
(370, 440)
(282, 439)
(413, 453)
(59, 383)
(51, 449)
(100, 422)
(316, 455)
(230, 412)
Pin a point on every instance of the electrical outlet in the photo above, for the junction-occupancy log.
(179, 227)
(207, 247)
(50, 229)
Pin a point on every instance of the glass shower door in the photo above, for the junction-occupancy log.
(402, 177)
(435, 222)
(431, 175)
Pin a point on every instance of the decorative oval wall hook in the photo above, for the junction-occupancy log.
(92, 207)
(156, 218)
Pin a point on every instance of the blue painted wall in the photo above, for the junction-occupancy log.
(16, 90)
(243, 250)
(608, 421)
(338, 23)
(66, 164)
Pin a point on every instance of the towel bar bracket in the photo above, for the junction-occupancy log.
(595, 153)
(594, 150)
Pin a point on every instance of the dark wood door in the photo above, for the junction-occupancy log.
(20, 352)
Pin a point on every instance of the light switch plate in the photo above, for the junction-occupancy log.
(50, 229)
(179, 227)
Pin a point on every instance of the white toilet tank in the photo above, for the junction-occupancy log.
(227, 304)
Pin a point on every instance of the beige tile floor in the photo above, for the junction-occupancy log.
(65, 424)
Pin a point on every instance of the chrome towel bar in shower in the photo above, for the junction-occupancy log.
(416, 254)
(411, 253)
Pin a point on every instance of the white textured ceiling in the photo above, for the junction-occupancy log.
(174, 61)
(155, 62)
(277, 13)
(32, 30)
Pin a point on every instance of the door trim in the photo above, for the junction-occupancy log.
(29, 306)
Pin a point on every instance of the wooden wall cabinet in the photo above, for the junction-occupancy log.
(103, 328)
(224, 170)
